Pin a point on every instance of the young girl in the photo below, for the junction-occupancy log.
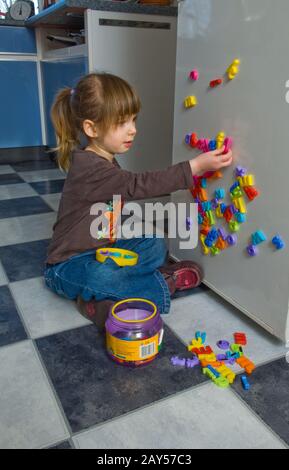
(104, 108)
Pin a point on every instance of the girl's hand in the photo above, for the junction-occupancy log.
(211, 161)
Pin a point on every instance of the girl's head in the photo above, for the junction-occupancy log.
(103, 107)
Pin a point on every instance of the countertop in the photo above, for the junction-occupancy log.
(70, 12)
(11, 23)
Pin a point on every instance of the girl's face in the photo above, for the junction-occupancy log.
(119, 138)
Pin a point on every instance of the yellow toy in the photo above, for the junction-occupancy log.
(207, 357)
(211, 217)
(119, 256)
(227, 373)
(233, 70)
(247, 180)
(220, 138)
(219, 381)
(219, 213)
(190, 102)
(197, 343)
(241, 181)
(240, 205)
(206, 249)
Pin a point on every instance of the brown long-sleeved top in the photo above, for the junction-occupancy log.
(93, 179)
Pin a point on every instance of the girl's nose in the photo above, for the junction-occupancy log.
(132, 129)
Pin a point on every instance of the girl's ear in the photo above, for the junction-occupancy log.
(89, 128)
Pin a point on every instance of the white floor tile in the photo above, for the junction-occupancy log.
(52, 200)
(12, 191)
(208, 312)
(6, 169)
(41, 175)
(203, 418)
(3, 278)
(26, 229)
(30, 417)
(44, 312)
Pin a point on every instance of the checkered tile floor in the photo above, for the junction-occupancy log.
(58, 387)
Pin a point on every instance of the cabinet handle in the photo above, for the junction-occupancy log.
(134, 24)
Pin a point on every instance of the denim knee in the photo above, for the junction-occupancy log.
(50, 281)
(58, 285)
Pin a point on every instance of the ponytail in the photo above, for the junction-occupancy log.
(65, 127)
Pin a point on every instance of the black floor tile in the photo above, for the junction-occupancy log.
(25, 260)
(269, 395)
(48, 187)
(34, 165)
(11, 328)
(10, 178)
(23, 206)
(93, 389)
(9, 156)
(63, 445)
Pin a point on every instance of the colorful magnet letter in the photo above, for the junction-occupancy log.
(194, 75)
(252, 250)
(278, 242)
(220, 139)
(222, 344)
(233, 70)
(215, 83)
(190, 102)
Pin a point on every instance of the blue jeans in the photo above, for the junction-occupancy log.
(83, 276)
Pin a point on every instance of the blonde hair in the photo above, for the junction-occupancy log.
(102, 98)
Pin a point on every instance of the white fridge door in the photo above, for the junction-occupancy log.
(252, 109)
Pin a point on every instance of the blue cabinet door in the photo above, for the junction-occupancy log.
(20, 124)
(57, 75)
(17, 39)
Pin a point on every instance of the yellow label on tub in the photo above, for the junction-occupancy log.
(132, 350)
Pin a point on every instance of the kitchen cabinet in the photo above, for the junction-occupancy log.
(20, 122)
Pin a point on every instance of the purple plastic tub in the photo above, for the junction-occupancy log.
(134, 332)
